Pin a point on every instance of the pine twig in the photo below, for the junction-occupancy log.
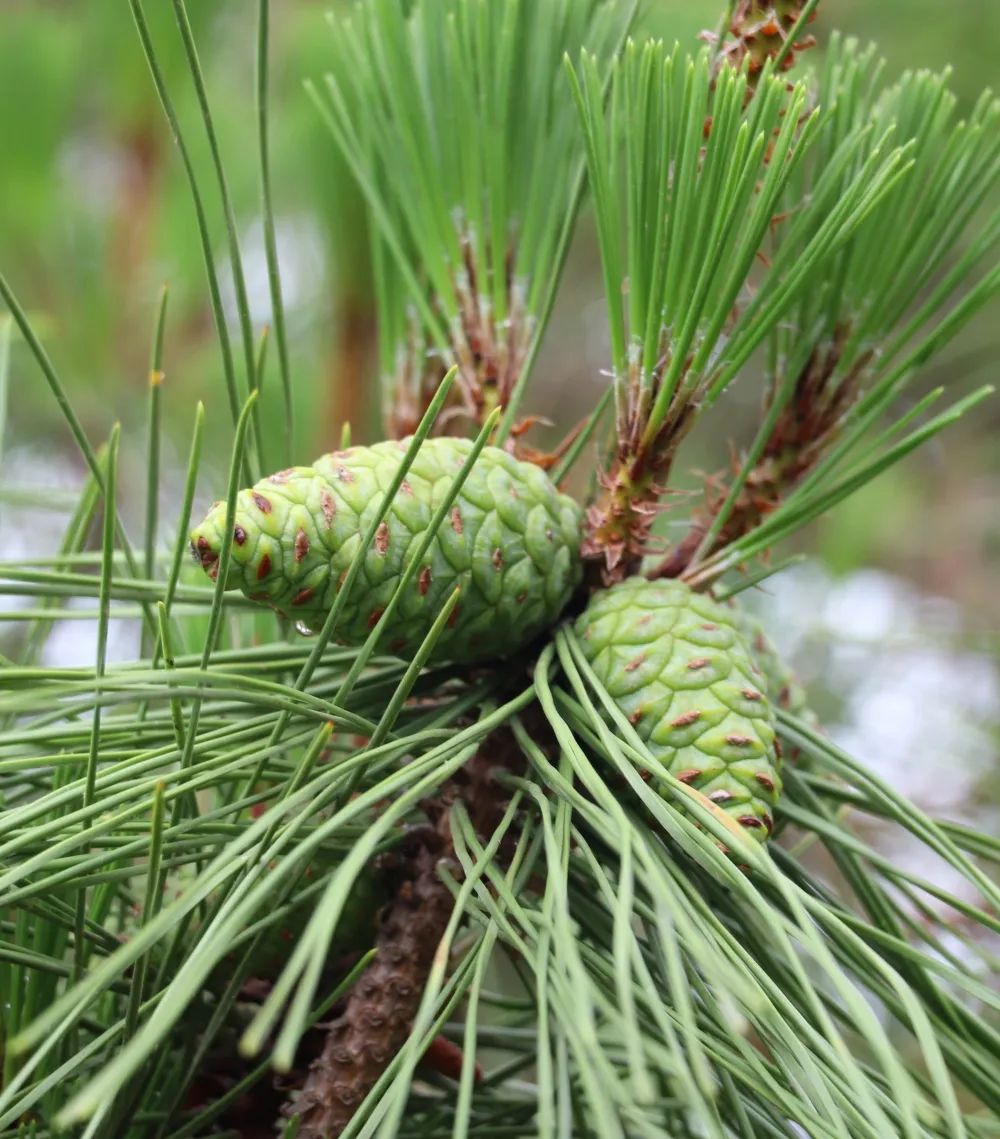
(380, 1010)
(802, 434)
(760, 31)
(490, 355)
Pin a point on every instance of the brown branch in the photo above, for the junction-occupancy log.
(379, 1012)
(619, 522)
(803, 433)
(348, 390)
(380, 1009)
(490, 355)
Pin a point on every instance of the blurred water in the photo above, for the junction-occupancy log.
(93, 169)
(26, 530)
(34, 529)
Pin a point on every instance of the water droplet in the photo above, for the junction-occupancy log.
(303, 628)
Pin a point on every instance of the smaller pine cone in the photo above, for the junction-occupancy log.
(510, 543)
(784, 688)
(677, 664)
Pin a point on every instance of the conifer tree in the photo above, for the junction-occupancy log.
(515, 841)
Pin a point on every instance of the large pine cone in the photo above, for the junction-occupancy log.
(511, 541)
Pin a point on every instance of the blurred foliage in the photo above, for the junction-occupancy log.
(95, 215)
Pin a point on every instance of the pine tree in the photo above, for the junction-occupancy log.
(536, 866)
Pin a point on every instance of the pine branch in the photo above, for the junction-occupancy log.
(465, 270)
(379, 1014)
(696, 176)
(166, 819)
(894, 295)
(380, 1008)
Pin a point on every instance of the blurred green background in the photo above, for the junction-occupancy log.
(95, 216)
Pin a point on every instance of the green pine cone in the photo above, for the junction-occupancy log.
(783, 687)
(511, 542)
(678, 666)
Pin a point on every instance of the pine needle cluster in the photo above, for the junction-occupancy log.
(253, 881)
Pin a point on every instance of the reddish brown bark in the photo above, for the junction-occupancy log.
(380, 1009)
(379, 1012)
